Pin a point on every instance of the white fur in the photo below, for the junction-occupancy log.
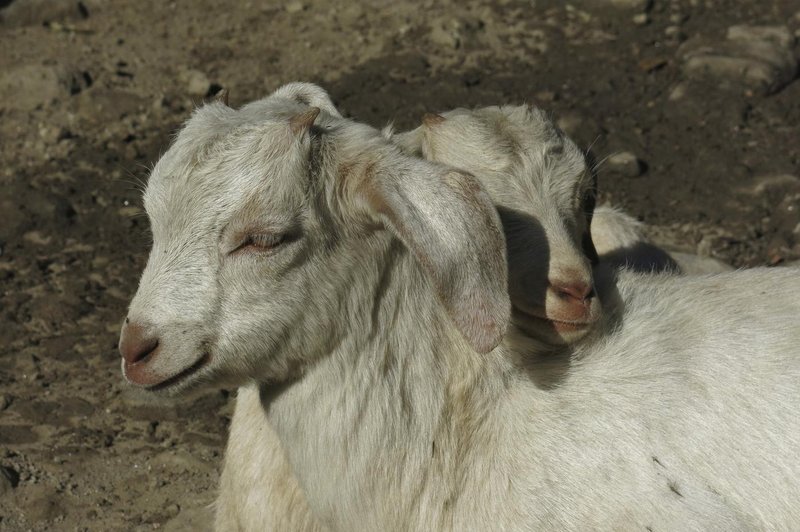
(355, 343)
(620, 242)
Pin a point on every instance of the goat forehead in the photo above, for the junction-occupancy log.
(208, 192)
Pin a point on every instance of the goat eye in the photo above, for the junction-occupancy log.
(256, 242)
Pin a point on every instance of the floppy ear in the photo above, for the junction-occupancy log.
(451, 226)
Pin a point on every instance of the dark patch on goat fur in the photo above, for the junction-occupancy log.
(673, 487)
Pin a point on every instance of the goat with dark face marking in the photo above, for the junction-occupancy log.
(346, 287)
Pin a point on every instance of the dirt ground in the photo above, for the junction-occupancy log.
(91, 91)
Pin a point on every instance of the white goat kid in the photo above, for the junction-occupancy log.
(540, 181)
(346, 287)
(545, 195)
(524, 192)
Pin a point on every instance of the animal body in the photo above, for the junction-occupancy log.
(359, 297)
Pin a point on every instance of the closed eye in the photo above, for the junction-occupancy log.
(258, 243)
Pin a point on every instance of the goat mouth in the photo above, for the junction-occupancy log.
(141, 377)
(182, 375)
(560, 325)
(565, 326)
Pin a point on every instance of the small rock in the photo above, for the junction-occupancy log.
(626, 163)
(674, 32)
(677, 92)
(765, 183)
(9, 479)
(29, 86)
(38, 12)
(198, 519)
(37, 238)
(197, 83)
(759, 57)
(779, 35)
(447, 37)
(294, 7)
(172, 510)
(651, 64)
(677, 18)
(641, 19)
(5, 402)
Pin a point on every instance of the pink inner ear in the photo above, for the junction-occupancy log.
(483, 331)
(303, 121)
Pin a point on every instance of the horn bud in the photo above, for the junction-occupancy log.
(432, 119)
(302, 122)
(222, 96)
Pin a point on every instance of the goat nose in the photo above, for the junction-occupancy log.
(135, 342)
(578, 291)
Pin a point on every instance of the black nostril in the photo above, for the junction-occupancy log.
(145, 351)
(136, 343)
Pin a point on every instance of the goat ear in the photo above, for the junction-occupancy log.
(450, 224)
(432, 119)
(302, 122)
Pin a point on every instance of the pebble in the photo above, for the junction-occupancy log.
(768, 182)
(674, 32)
(678, 92)
(30, 86)
(198, 518)
(677, 18)
(37, 238)
(626, 163)
(641, 19)
(758, 57)
(444, 36)
(38, 12)
(294, 7)
(197, 83)
(780, 35)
